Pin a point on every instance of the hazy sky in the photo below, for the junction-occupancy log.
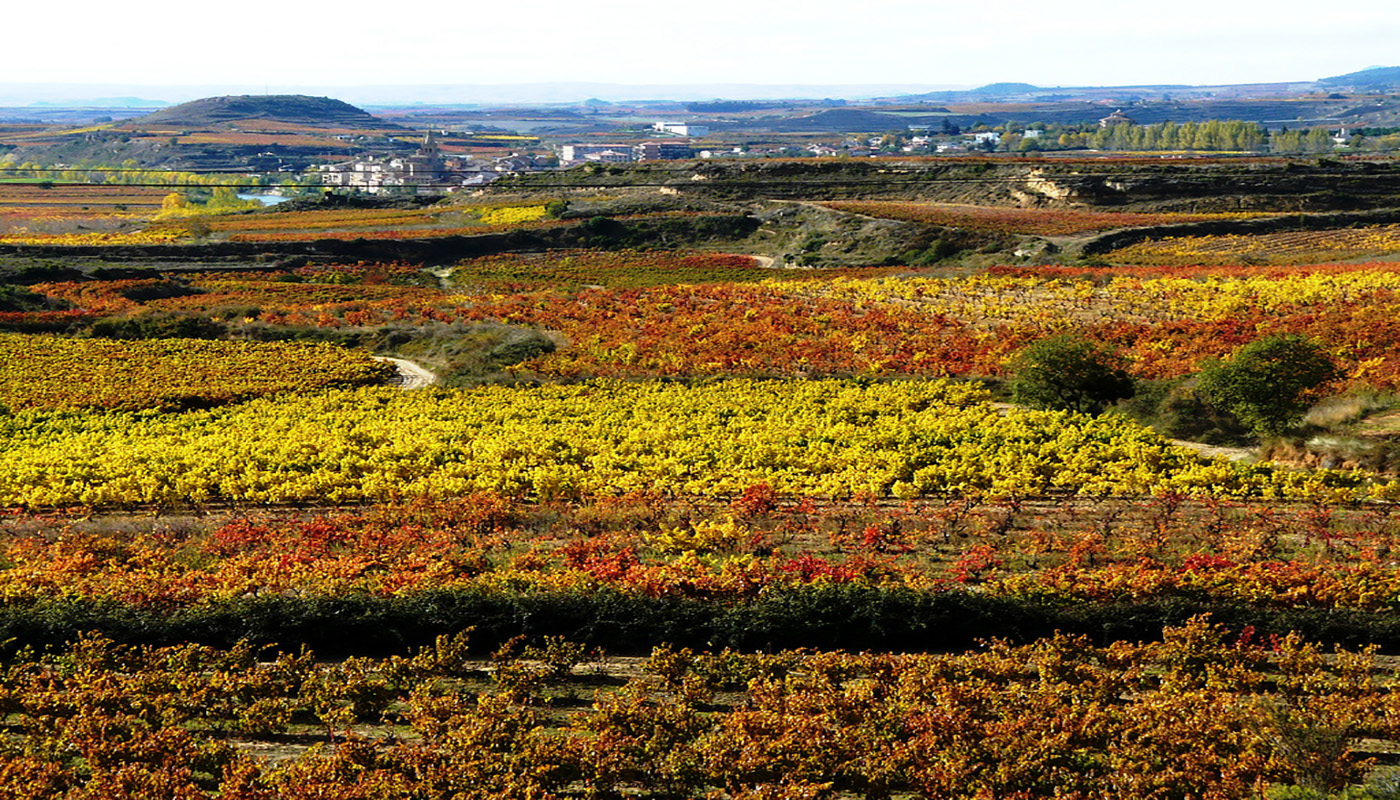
(964, 42)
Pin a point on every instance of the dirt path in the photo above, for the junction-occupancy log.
(410, 375)
(1215, 451)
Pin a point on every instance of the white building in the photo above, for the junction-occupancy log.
(681, 129)
(426, 171)
(606, 153)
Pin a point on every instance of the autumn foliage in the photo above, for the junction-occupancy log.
(734, 476)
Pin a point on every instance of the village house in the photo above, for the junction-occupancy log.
(570, 154)
(733, 152)
(605, 153)
(918, 143)
(1116, 118)
(514, 162)
(662, 151)
(424, 172)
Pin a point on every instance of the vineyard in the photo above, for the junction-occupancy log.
(98, 239)
(32, 214)
(684, 523)
(1228, 716)
(116, 216)
(825, 438)
(630, 315)
(575, 269)
(1064, 552)
(1043, 222)
(684, 592)
(460, 220)
(50, 373)
(1291, 247)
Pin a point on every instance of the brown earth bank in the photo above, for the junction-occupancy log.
(1159, 184)
(1114, 240)
(604, 233)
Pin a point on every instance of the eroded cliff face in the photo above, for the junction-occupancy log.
(1040, 186)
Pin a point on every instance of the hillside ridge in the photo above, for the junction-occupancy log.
(292, 108)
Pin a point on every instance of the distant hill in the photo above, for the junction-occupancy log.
(1373, 78)
(297, 109)
(101, 102)
(842, 119)
(1004, 88)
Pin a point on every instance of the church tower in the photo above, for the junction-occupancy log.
(430, 148)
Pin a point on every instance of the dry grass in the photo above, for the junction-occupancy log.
(1335, 412)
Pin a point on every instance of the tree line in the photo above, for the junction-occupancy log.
(1208, 136)
(1221, 136)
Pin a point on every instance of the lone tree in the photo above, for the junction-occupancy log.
(1070, 373)
(1268, 383)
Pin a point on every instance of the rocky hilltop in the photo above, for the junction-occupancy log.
(295, 109)
(233, 133)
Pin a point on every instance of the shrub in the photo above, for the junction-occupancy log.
(1069, 373)
(1269, 383)
(1176, 409)
(158, 326)
(15, 299)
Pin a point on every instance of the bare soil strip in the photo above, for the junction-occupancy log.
(410, 376)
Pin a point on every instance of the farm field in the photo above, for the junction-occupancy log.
(28, 211)
(709, 626)
(1045, 222)
(830, 439)
(626, 315)
(678, 521)
(693, 724)
(378, 223)
(96, 215)
(578, 269)
(51, 373)
(1293, 247)
(117, 216)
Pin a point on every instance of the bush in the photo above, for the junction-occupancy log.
(824, 617)
(1176, 409)
(157, 326)
(1069, 373)
(1269, 383)
(939, 250)
(15, 299)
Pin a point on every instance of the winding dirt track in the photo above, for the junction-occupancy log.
(410, 375)
(1217, 451)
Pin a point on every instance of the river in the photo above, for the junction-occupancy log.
(265, 199)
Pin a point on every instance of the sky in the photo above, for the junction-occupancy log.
(273, 44)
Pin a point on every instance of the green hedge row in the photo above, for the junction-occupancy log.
(834, 617)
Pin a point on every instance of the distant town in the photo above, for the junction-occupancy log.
(294, 143)
(430, 170)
